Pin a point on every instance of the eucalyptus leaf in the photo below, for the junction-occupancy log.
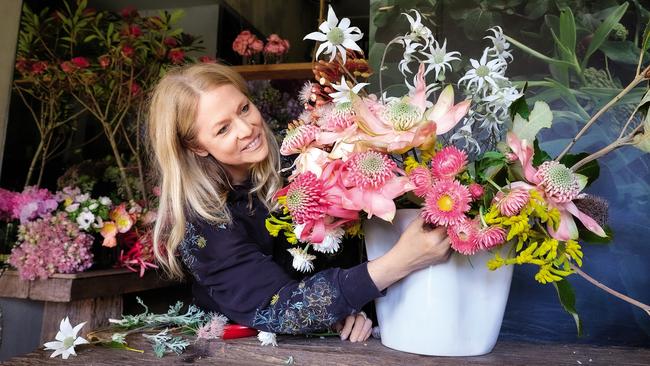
(540, 117)
(567, 298)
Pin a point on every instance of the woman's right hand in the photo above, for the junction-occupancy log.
(417, 248)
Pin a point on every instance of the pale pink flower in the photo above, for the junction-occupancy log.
(446, 203)
(298, 139)
(491, 237)
(212, 329)
(109, 231)
(422, 180)
(476, 190)
(464, 237)
(512, 201)
(558, 181)
(448, 162)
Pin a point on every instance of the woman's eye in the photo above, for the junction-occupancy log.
(222, 130)
(246, 108)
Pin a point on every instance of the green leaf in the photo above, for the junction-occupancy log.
(176, 15)
(537, 54)
(536, 8)
(540, 117)
(568, 32)
(540, 155)
(601, 33)
(569, 97)
(591, 238)
(624, 52)
(90, 38)
(567, 298)
(591, 170)
(519, 107)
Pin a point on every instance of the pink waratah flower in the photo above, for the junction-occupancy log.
(406, 123)
(476, 190)
(298, 139)
(80, 62)
(491, 236)
(422, 180)
(464, 237)
(374, 181)
(512, 201)
(446, 203)
(556, 183)
(176, 56)
(448, 162)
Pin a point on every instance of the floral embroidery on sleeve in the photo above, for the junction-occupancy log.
(307, 308)
(189, 246)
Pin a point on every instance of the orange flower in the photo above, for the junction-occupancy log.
(122, 218)
(109, 230)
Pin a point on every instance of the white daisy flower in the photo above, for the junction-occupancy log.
(72, 208)
(501, 46)
(418, 30)
(438, 58)
(105, 201)
(82, 197)
(336, 36)
(84, 220)
(484, 73)
(302, 261)
(331, 243)
(343, 92)
(267, 339)
(66, 339)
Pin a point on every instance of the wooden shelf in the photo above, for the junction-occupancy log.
(301, 70)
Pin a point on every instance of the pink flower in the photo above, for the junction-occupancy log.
(135, 31)
(33, 203)
(139, 257)
(7, 202)
(122, 218)
(276, 45)
(109, 232)
(68, 67)
(247, 44)
(135, 89)
(512, 201)
(257, 46)
(558, 181)
(127, 51)
(446, 203)
(305, 198)
(298, 139)
(374, 181)
(464, 237)
(213, 329)
(104, 61)
(176, 56)
(80, 62)
(422, 180)
(39, 67)
(476, 190)
(170, 42)
(448, 162)
(129, 12)
(491, 237)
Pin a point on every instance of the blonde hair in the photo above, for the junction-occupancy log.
(191, 186)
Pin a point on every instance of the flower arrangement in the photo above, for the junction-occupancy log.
(275, 48)
(473, 166)
(247, 45)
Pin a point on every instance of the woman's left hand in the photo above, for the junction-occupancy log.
(356, 327)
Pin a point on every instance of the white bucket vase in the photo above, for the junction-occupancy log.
(449, 309)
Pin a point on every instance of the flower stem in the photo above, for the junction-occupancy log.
(626, 298)
(381, 66)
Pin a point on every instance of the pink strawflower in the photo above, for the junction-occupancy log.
(446, 203)
(476, 190)
(448, 162)
(512, 201)
(213, 329)
(50, 245)
(464, 237)
(298, 139)
(491, 237)
(306, 198)
(370, 169)
(559, 182)
(422, 179)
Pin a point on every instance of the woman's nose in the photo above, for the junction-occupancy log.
(244, 128)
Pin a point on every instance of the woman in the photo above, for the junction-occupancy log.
(218, 164)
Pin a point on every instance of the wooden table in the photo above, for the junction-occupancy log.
(332, 351)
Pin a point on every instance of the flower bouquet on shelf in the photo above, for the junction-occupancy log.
(69, 231)
(275, 49)
(247, 45)
(473, 166)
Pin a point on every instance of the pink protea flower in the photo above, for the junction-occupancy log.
(491, 237)
(476, 190)
(464, 237)
(298, 139)
(422, 179)
(512, 201)
(448, 162)
(446, 203)
(558, 181)
(305, 198)
(370, 169)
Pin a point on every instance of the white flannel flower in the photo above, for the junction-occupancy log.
(465, 135)
(484, 73)
(501, 100)
(343, 92)
(85, 219)
(66, 339)
(439, 59)
(418, 30)
(331, 243)
(302, 261)
(336, 36)
(267, 339)
(410, 48)
(500, 44)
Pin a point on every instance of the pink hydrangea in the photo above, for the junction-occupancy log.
(50, 245)
(448, 162)
(7, 202)
(33, 203)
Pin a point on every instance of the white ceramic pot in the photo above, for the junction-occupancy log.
(449, 309)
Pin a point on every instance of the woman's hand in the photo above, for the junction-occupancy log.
(357, 327)
(418, 247)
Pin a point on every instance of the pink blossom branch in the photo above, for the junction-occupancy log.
(625, 298)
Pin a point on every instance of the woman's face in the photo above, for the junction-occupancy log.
(231, 129)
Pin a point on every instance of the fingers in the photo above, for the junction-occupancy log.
(361, 327)
(347, 327)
